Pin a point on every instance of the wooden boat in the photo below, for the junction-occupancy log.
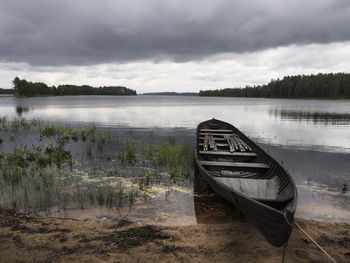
(246, 176)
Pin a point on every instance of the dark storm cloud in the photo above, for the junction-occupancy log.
(85, 32)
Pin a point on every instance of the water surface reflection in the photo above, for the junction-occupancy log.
(320, 118)
(310, 137)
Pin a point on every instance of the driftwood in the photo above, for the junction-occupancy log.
(235, 143)
(205, 144)
(212, 143)
(209, 142)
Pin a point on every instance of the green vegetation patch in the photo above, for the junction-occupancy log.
(137, 236)
(82, 167)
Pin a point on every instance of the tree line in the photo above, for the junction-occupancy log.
(320, 86)
(26, 88)
(6, 91)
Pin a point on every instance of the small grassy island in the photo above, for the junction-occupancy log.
(24, 88)
(320, 86)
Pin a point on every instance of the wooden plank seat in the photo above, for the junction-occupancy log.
(235, 164)
(216, 139)
(261, 189)
(217, 144)
(247, 154)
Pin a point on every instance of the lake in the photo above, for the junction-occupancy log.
(310, 138)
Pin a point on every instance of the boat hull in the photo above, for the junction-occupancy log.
(274, 224)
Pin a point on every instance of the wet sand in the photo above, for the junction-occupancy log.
(26, 238)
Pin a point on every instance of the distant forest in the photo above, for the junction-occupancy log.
(6, 91)
(320, 86)
(25, 88)
(171, 93)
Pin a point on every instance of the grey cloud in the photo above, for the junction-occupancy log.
(86, 32)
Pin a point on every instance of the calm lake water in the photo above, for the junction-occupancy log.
(310, 137)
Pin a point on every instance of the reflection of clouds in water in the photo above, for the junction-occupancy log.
(322, 189)
(320, 118)
(284, 122)
(323, 206)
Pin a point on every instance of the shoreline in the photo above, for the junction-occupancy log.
(27, 238)
(180, 95)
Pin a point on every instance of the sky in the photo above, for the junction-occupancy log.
(178, 45)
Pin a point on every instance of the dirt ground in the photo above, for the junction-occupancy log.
(26, 238)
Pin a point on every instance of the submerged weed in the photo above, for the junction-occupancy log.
(89, 151)
(38, 177)
(48, 130)
(74, 134)
(83, 134)
(344, 188)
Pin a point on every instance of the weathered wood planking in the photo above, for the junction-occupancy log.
(235, 164)
(218, 144)
(216, 139)
(256, 188)
(247, 154)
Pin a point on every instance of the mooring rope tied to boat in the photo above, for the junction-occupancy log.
(324, 251)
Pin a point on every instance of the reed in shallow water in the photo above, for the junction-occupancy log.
(63, 167)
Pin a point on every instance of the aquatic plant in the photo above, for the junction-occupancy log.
(41, 176)
(102, 138)
(100, 196)
(110, 197)
(107, 155)
(80, 196)
(171, 140)
(74, 133)
(127, 153)
(148, 152)
(17, 158)
(83, 134)
(89, 151)
(91, 196)
(3, 121)
(64, 138)
(91, 132)
(344, 188)
(48, 130)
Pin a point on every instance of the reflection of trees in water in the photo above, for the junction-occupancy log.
(21, 110)
(210, 208)
(327, 118)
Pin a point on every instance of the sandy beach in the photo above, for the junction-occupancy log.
(25, 238)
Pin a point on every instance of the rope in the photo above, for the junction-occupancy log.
(315, 242)
(284, 251)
